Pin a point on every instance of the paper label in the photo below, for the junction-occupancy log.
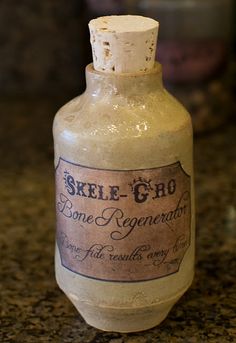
(122, 225)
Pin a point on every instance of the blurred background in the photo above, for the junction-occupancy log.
(44, 48)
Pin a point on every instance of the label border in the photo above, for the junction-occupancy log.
(127, 170)
(121, 170)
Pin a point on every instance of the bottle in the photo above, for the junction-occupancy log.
(124, 184)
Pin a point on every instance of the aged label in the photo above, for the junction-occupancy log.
(124, 226)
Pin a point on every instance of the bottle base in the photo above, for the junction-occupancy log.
(102, 305)
(123, 320)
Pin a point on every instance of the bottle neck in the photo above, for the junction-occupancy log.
(127, 85)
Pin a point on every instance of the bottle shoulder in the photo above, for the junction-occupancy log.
(120, 117)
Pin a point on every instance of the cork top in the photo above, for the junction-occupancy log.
(123, 44)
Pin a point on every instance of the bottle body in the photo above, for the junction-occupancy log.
(126, 123)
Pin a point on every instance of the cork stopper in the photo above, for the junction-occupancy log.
(123, 44)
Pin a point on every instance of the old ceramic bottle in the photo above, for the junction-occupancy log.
(124, 184)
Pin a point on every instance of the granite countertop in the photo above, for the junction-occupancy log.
(33, 309)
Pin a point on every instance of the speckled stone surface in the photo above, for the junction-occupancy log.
(33, 309)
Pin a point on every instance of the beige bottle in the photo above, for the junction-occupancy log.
(124, 184)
